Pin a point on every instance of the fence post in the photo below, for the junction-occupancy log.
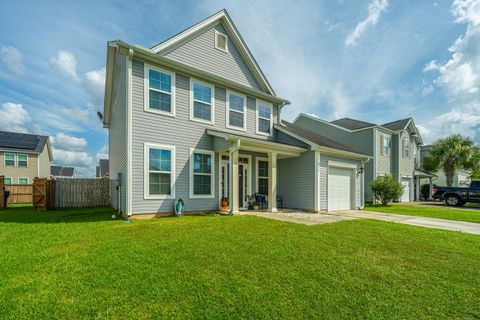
(2, 194)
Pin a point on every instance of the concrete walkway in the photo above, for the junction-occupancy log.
(300, 217)
(467, 227)
(335, 216)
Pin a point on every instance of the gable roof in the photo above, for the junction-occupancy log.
(316, 138)
(60, 171)
(23, 142)
(398, 124)
(220, 17)
(352, 124)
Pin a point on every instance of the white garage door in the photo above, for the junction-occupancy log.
(339, 188)
(406, 191)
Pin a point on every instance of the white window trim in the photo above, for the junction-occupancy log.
(212, 174)
(146, 106)
(217, 33)
(257, 160)
(11, 180)
(5, 159)
(227, 111)
(146, 171)
(18, 180)
(403, 147)
(259, 102)
(22, 154)
(212, 105)
(389, 145)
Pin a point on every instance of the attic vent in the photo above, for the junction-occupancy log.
(221, 41)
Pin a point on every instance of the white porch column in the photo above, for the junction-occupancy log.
(234, 201)
(430, 196)
(272, 182)
(417, 189)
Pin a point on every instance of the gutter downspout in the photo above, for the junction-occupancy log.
(279, 120)
(129, 133)
(363, 184)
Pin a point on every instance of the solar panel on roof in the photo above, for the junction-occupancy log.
(18, 141)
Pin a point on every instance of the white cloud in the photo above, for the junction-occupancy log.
(72, 158)
(459, 77)
(66, 63)
(96, 81)
(64, 142)
(81, 115)
(102, 153)
(375, 9)
(12, 60)
(13, 117)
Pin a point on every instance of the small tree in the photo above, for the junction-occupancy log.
(386, 189)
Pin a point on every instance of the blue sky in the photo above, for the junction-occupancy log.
(375, 60)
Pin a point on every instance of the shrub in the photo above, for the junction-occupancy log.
(425, 190)
(386, 189)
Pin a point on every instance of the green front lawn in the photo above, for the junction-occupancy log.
(82, 264)
(430, 212)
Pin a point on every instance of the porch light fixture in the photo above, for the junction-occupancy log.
(360, 170)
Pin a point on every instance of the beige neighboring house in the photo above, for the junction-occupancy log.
(24, 157)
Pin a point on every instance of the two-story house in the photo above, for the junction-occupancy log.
(195, 118)
(394, 147)
(24, 157)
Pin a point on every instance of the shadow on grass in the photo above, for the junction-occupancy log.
(26, 214)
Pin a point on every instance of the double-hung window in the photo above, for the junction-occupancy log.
(386, 145)
(9, 159)
(22, 160)
(406, 147)
(202, 102)
(236, 111)
(160, 87)
(264, 118)
(202, 167)
(7, 180)
(262, 175)
(22, 180)
(159, 171)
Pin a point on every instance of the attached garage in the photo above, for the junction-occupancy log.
(340, 188)
(406, 190)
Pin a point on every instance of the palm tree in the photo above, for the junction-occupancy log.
(452, 153)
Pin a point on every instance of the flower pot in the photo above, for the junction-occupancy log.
(256, 207)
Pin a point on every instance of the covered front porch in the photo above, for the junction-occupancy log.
(248, 166)
(420, 175)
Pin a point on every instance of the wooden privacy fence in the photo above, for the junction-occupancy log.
(43, 194)
(82, 193)
(19, 193)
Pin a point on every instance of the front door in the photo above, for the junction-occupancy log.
(244, 169)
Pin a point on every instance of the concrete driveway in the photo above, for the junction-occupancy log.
(467, 227)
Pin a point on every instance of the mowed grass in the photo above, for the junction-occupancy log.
(430, 212)
(81, 264)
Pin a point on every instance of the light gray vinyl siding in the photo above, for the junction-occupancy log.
(323, 176)
(384, 162)
(200, 52)
(178, 132)
(296, 181)
(362, 140)
(118, 131)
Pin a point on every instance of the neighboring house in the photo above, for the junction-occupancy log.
(394, 147)
(102, 168)
(460, 177)
(195, 118)
(62, 172)
(24, 157)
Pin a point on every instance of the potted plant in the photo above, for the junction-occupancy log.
(224, 204)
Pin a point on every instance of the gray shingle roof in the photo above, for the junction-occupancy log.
(397, 125)
(317, 138)
(352, 124)
(22, 142)
(60, 171)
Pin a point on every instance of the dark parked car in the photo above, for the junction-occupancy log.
(456, 196)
